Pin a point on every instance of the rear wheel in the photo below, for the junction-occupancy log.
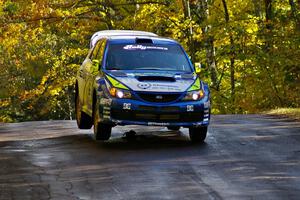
(83, 120)
(173, 128)
(101, 131)
(198, 134)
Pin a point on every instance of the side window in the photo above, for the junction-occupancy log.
(100, 53)
(96, 50)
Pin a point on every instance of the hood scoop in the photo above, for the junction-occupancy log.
(187, 76)
(156, 78)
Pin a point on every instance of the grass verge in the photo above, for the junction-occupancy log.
(289, 112)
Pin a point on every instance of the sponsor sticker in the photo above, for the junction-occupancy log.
(144, 85)
(105, 112)
(158, 124)
(107, 117)
(105, 108)
(142, 47)
(207, 104)
(106, 102)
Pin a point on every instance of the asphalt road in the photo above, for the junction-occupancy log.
(244, 157)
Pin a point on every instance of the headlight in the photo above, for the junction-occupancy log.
(194, 95)
(118, 93)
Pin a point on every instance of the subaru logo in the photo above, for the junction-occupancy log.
(144, 85)
(159, 97)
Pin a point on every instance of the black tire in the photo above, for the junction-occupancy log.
(198, 135)
(101, 131)
(173, 128)
(84, 121)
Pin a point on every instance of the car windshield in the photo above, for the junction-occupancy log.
(147, 57)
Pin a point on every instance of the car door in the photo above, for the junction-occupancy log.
(82, 76)
(87, 70)
(93, 71)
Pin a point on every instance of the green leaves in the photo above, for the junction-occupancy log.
(10, 7)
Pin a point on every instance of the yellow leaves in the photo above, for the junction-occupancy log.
(5, 102)
(44, 79)
(1, 7)
(43, 53)
(11, 34)
(252, 29)
(55, 91)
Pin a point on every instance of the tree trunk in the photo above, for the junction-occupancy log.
(108, 6)
(232, 55)
(202, 14)
(257, 8)
(269, 44)
(294, 10)
(211, 60)
(269, 14)
(69, 106)
(184, 6)
(189, 32)
(269, 26)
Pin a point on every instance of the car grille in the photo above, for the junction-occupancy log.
(159, 98)
(157, 117)
(163, 109)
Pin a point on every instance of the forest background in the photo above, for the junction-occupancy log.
(249, 49)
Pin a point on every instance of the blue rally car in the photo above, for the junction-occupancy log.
(138, 78)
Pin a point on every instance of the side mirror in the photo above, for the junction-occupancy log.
(95, 67)
(95, 62)
(197, 67)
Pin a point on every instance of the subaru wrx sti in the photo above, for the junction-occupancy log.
(139, 78)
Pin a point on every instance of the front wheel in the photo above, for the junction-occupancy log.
(198, 134)
(101, 131)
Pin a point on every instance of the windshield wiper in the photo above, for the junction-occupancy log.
(113, 68)
(148, 68)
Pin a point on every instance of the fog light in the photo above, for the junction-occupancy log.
(113, 91)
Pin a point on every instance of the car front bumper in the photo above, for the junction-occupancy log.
(135, 112)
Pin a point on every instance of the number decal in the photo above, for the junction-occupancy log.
(126, 106)
(190, 108)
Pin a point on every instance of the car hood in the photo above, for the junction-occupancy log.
(154, 81)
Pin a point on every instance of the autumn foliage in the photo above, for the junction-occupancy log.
(249, 49)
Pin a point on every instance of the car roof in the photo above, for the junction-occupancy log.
(109, 33)
(133, 40)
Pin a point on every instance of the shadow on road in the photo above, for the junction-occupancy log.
(150, 141)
